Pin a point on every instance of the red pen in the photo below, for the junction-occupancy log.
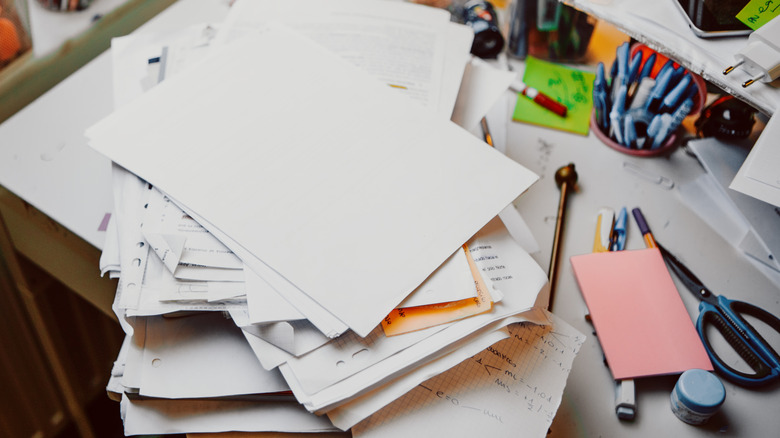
(539, 97)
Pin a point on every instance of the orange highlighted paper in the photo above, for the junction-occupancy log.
(640, 319)
(408, 319)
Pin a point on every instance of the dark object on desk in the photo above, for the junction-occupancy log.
(565, 178)
(549, 30)
(481, 17)
(727, 317)
(726, 118)
(714, 18)
(65, 5)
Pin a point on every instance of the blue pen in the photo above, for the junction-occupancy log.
(629, 134)
(616, 114)
(669, 65)
(622, 56)
(680, 113)
(601, 98)
(641, 120)
(677, 74)
(633, 67)
(647, 68)
(652, 130)
(618, 238)
(675, 95)
(659, 90)
(621, 78)
(663, 130)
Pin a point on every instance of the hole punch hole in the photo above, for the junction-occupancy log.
(137, 262)
(340, 363)
(156, 362)
(360, 354)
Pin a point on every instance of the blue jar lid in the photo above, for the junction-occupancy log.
(700, 391)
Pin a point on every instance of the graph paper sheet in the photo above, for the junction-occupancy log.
(514, 385)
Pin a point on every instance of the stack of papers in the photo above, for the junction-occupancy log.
(295, 240)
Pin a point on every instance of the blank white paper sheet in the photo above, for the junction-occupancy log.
(351, 192)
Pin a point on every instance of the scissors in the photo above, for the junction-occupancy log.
(726, 316)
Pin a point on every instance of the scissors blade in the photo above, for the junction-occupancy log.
(689, 279)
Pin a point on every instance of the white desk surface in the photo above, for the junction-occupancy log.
(44, 160)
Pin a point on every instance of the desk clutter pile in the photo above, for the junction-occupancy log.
(301, 247)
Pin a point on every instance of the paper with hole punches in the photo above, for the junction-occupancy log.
(640, 319)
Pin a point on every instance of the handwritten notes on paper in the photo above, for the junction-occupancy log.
(571, 87)
(758, 12)
(514, 385)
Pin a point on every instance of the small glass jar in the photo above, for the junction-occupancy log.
(697, 396)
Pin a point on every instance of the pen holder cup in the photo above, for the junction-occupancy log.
(670, 143)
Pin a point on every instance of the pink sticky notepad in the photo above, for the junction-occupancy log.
(640, 319)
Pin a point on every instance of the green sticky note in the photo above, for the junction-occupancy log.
(758, 12)
(569, 86)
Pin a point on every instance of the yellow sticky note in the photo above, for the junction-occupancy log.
(569, 86)
(408, 319)
(758, 12)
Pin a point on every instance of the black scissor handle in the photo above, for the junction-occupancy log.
(746, 341)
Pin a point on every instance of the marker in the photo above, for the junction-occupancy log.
(539, 97)
(600, 98)
(647, 68)
(633, 68)
(616, 114)
(660, 129)
(629, 131)
(673, 98)
(640, 221)
(659, 90)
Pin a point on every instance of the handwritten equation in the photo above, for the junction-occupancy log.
(516, 384)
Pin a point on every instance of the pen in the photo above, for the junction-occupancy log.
(633, 68)
(539, 97)
(601, 98)
(648, 236)
(629, 131)
(618, 238)
(647, 68)
(674, 96)
(658, 91)
(616, 113)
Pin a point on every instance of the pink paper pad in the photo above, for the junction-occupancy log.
(640, 319)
